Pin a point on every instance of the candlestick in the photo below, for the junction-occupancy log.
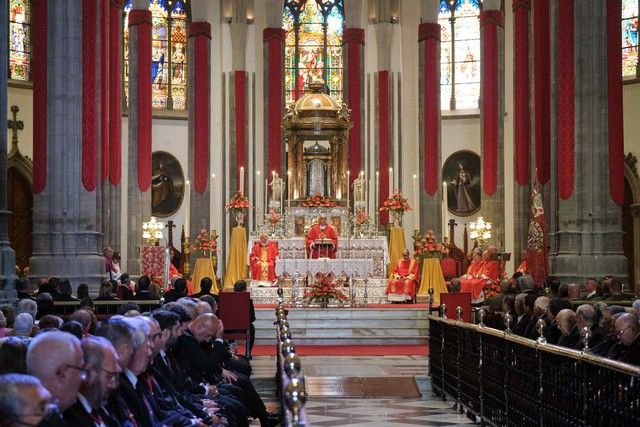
(241, 179)
(289, 189)
(348, 184)
(390, 181)
(376, 200)
(213, 193)
(258, 193)
(187, 213)
(266, 201)
(445, 206)
(273, 180)
(416, 197)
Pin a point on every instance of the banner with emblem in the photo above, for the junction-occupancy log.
(537, 252)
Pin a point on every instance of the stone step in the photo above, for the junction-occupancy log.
(342, 313)
(364, 340)
(409, 322)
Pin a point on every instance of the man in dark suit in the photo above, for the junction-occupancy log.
(523, 319)
(552, 333)
(608, 326)
(101, 362)
(566, 320)
(591, 289)
(586, 318)
(22, 287)
(144, 282)
(615, 290)
(24, 401)
(628, 331)
(205, 287)
(179, 291)
(207, 365)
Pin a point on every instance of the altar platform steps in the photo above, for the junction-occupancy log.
(348, 326)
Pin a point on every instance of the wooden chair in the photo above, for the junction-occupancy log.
(233, 310)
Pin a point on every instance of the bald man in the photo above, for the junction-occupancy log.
(262, 259)
(101, 362)
(322, 231)
(627, 329)
(586, 318)
(403, 285)
(566, 320)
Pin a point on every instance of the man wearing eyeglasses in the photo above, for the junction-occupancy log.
(628, 333)
(23, 400)
(56, 359)
(101, 361)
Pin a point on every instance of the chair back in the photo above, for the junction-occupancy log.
(455, 299)
(449, 268)
(233, 310)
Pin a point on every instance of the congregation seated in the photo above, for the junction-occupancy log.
(567, 324)
(144, 283)
(403, 284)
(206, 283)
(178, 291)
(65, 291)
(591, 289)
(22, 288)
(586, 317)
(83, 291)
(627, 329)
(126, 287)
(106, 292)
(540, 308)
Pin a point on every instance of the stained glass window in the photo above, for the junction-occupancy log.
(459, 54)
(20, 39)
(629, 38)
(168, 53)
(313, 46)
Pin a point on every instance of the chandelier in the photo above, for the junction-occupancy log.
(152, 230)
(480, 230)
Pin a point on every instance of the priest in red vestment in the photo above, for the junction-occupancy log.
(482, 278)
(322, 231)
(175, 274)
(522, 268)
(402, 287)
(262, 260)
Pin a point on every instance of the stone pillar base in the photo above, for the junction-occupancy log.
(77, 268)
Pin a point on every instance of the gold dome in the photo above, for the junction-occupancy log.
(316, 102)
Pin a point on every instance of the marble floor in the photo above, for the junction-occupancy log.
(428, 410)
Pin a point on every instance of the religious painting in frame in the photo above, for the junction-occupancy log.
(167, 184)
(461, 172)
(299, 226)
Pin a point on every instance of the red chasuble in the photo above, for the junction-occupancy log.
(322, 232)
(405, 280)
(262, 261)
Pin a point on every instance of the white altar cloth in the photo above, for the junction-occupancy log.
(359, 267)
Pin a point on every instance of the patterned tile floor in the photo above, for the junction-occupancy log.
(428, 410)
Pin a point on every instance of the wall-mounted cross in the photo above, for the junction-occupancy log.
(15, 125)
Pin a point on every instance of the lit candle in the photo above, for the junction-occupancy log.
(376, 198)
(212, 201)
(242, 179)
(416, 197)
(187, 213)
(273, 179)
(348, 183)
(445, 206)
(390, 181)
(258, 193)
(266, 200)
(289, 189)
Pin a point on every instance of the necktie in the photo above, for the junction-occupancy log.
(97, 419)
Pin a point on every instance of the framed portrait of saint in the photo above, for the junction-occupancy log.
(461, 172)
(167, 184)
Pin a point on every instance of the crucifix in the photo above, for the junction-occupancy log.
(15, 125)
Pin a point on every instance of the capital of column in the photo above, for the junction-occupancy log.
(521, 4)
(429, 30)
(274, 33)
(199, 29)
(492, 17)
(353, 35)
(139, 17)
(117, 3)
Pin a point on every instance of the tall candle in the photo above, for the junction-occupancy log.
(416, 197)
(445, 206)
(258, 193)
(348, 184)
(390, 181)
(289, 189)
(187, 213)
(376, 199)
(212, 201)
(273, 180)
(242, 179)
(266, 201)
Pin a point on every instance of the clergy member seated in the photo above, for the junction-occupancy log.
(322, 239)
(262, 259)
(402, 286)
(482, 277)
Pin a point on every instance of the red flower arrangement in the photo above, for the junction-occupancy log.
(361, 217)
(204, 243)
(238, 202)
(324, 289)
(274, 216)
(429, 247)
(396, 203)
(317, 201)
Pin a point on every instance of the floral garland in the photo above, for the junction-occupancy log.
(324, 289)
(361, 218)
(428, 247)
(396, 203)
(318, 201)
(238, 203)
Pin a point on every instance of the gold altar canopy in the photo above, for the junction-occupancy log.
(316, 130)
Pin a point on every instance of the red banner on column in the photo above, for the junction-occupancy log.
(566, 103)
(274, 37)
(383, 146)
(201, 34)
(241, 124)
(353, 40)
(490, 20)
(542, 89)
(89, 95)
(429, 33)
(142, 20)
(39, 76)
(614, 81)
(115, 91)
(521, 89)
(104, 90)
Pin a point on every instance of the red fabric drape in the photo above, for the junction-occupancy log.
(201, 34)
(490, 20)
(383, 148)
(566, 91)
(89, 95)
(353, 40)
(614, 83)
(274, 38)
(39, 75)
(115, 92)
(142, 20)
(542, 86)
(241, 142)
(429, 33)
(521, 89)
(104, 90)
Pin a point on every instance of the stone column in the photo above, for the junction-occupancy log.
(588, 232)
(66, 231)
(429, 149)
(7, 255)
(199, 99)
(492, 199)
(139, 166)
